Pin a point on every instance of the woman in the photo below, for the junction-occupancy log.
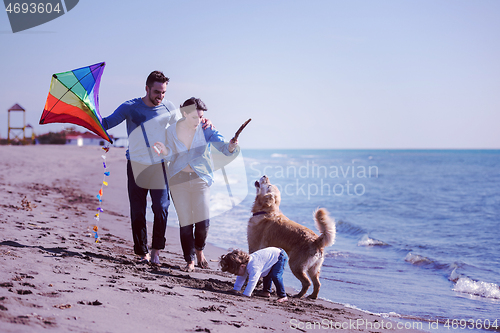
(191, 174)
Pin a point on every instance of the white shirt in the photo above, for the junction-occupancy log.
(258, 266)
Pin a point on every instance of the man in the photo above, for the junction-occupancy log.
(146, 120)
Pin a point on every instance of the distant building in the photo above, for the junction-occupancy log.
(84, 139)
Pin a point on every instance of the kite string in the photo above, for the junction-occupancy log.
(100, 195)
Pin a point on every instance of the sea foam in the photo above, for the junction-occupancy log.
(417, 259)
(478, 288)
(367, 241)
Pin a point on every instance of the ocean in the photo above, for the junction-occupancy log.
(418, 231)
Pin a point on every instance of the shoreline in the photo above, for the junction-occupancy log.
(54, 277)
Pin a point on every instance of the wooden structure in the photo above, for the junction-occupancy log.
(17, 131)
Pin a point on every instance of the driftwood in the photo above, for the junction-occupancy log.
(238, 132)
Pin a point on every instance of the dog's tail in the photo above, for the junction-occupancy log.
(326, 227)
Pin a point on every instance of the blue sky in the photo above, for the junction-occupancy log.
(311, 74)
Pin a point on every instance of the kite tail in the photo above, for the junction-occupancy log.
(100, 195)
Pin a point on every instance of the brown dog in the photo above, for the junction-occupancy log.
(269, 227)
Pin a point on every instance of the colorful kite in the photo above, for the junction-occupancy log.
(73, 98)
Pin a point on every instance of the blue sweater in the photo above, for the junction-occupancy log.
(145, 126)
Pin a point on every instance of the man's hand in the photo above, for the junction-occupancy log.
(206, 123)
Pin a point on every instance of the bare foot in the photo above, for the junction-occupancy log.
(202, 261)
(144, 259)
(155, 257)
(189, 267)
(262, 293)
(282, 299)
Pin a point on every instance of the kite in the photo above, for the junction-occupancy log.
(73, 98)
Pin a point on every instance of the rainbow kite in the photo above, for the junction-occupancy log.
(73, 98)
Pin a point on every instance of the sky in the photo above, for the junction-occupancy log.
(373, 74)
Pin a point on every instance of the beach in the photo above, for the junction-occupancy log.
(54, 277)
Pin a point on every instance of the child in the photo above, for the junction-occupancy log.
(268, 263)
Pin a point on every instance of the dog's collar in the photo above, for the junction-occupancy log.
(259, 213)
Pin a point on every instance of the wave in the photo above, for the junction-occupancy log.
(390, 315)
(422, 261)
(454, 276)
(416, 259)
(349, 228)
(462, 284)
(367, 241)
(466, 285)
(276, 155)
(477, 288)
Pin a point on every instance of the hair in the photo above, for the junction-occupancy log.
(156, 76)
(232, 261)
(194, 101)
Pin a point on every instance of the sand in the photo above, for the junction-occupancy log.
(54, 277)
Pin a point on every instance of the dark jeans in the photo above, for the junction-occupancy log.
(276, 275)
(191, 241)
(160, 201)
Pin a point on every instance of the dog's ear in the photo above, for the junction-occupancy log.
(258, 189)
